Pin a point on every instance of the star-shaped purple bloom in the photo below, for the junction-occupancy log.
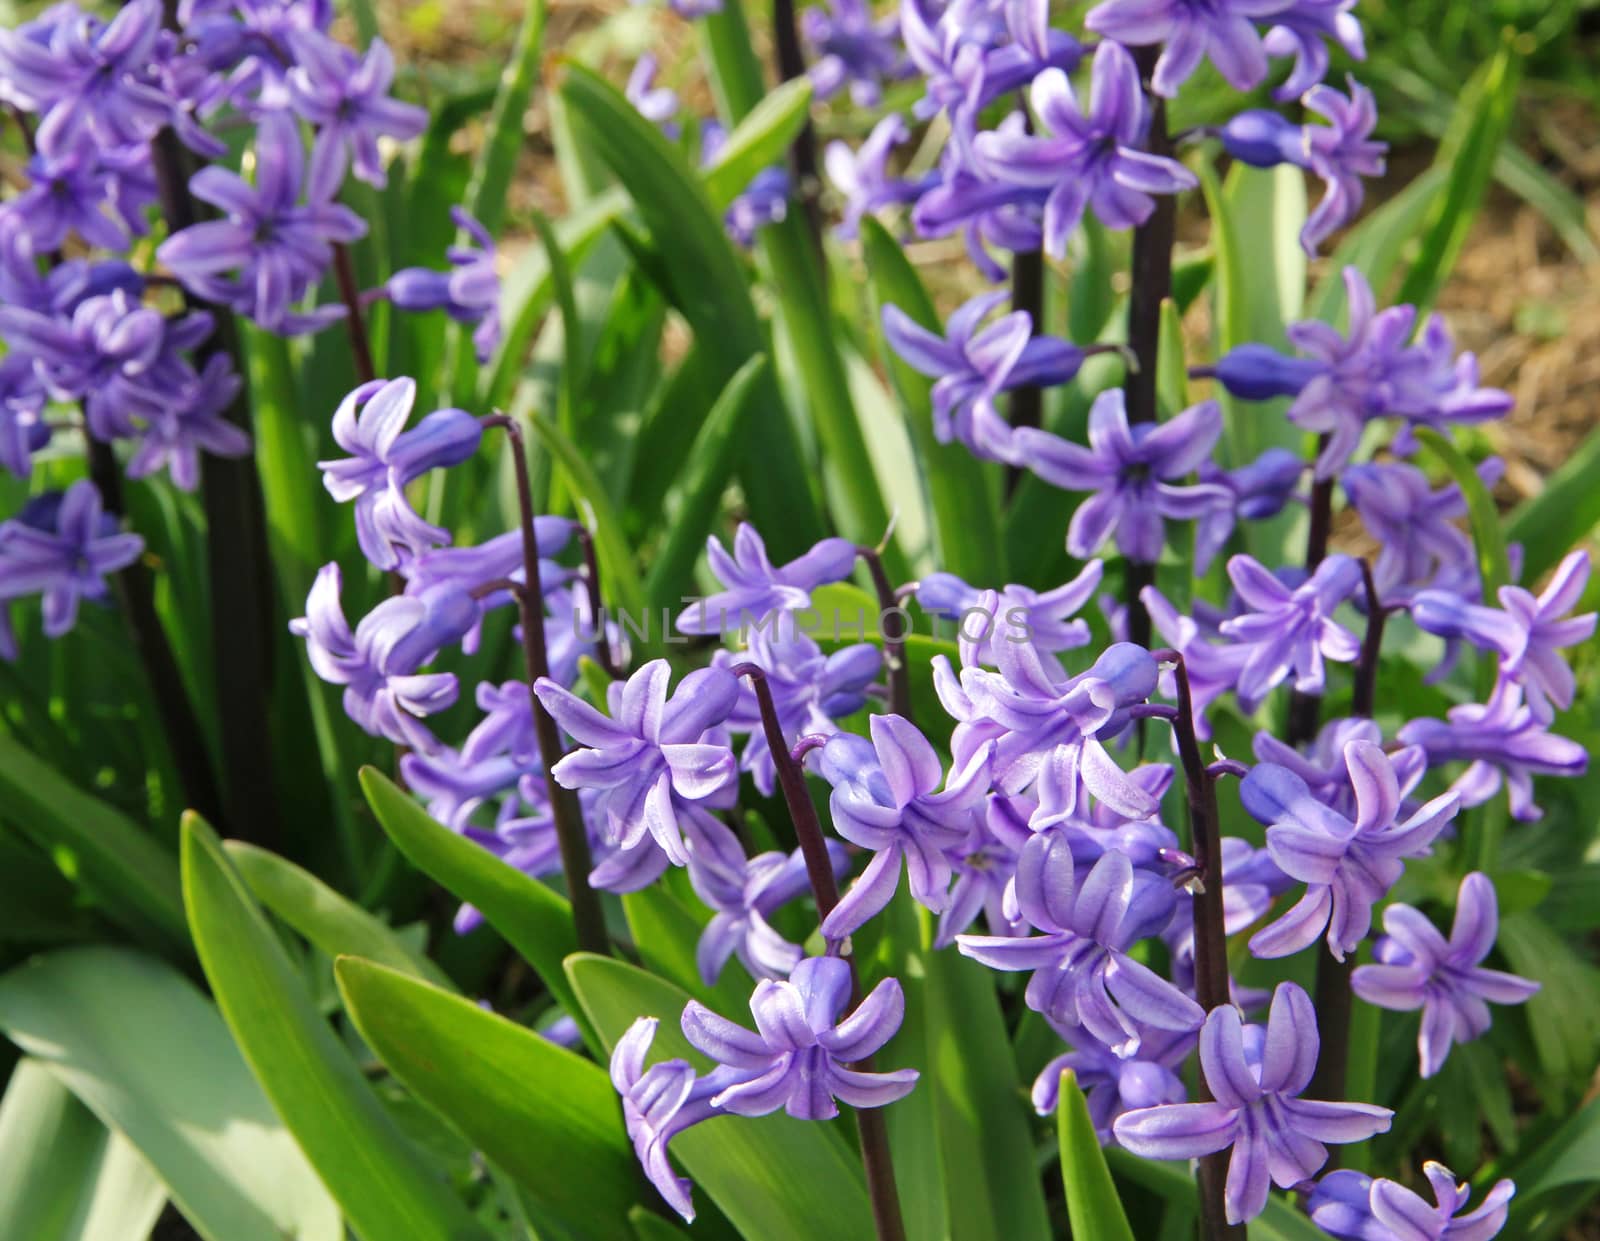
(653, 754)
(272, 249)
(347, 98)
(1341, 153)
(1132, 471)
(1348, 865)
(1082, 973)
(1303, 31)
(1502, 740)
(1419, 968)
(852, 46)
(1213, 664)
(1048, 619)
(385, 458)
(863, 177)
(1257, 491)
(984, 865)
(469, 292)
(886, 798)
(657, 104)
(1113, 1085)
(1352, 1206)
(754, 588)
(1189, 31)
(378, 664)
(799, 1059)
(1256, 1076)
(1291, 629)
(1420, 543)
(193, 423)
(1090, 160)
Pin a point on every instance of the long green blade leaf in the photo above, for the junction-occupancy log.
(1092, 1202)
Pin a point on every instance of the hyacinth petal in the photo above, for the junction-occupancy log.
(870, 1089)
(1435, 1037)
(1419, 937)
(1149, 998)
(908, 761)
(1337, 1122)
(1405, 1216)
(1306, 854)
(1006, 952)
(1399, 988)
(873, 1023)
(724, 1041)
(1499, 987)
(1222, 1059)
(1296, 929)
(1177, 1130)
(578, 719)
(1477, 922)
(1045, 883)
(1104, 898)
(643, 700)
(1376, 789)
(1289, 1057)
(868, 896)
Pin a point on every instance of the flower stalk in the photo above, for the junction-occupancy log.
(355, 314)
(1305, 710)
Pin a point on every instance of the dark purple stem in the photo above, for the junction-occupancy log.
(588, 919)
(1366, 678)
(355, 316)
(876, 1159)
(803, 154)
(1027, 294)
(1305, 710)
(892, 622)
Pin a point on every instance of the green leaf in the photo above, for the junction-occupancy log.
(1470, 150)
(1487, 535)
(648, 1226)
(1172, 377)
(63, 1175)
(707, 470)
(1375, 245)
(126, 871)
(761, 139)
(667, 934)
(545, 1116)
(497, 159)
(1092, 1202)
(962, 492)
(707, 284)
(1563, 514)
(1174, 1182)
(1564, 1014)
(534, 920)
(775, 1178)
(387, 1191)
(335, 926)
(139, 1045)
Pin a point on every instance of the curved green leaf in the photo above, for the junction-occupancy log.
(1488, 537)
(545, 1116)
(1092, 1202)
(1562, 515)
(148, 1054)
(761, 139)
(387, 1190)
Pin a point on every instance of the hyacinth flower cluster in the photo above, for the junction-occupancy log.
(1049, 808)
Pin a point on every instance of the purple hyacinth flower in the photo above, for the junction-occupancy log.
(500, 558)
(1323, 767)
(1256, 1076)
(754, 589)
(1263, 139)
(1189, 31)
(1291, 629)
(1133, 473)
(275, 247)
(1303, 31)
(852, 47)
(69, 192)
(378, 664)
(61, 546)
(862, 175)
(1082, 973)
(1341, 153)
(469, 292)
(1257, 491)
(1352, 1206)
(659, 1103)
(657, 104)
(973, 366)
(987, 211)
(886, 798)
(1090, 160)
(195, 422)
(1259, 372)
(1419, 542)
(86, 76)
(799, 1059)
(1047, 619)
(1113, 1085)
(347, 98)
(744, 893)
(1502, 740)
(1347, 864)
(385, 458)
(1419, 968)
(984, 865)
(652, 756)
(1527, 631)
(1213, 665)
(810, 690)
(23, 429)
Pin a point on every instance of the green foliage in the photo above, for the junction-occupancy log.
(1092, 1202)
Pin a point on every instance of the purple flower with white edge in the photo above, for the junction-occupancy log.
(469, 292)
(1090, 160)
(754, 588)
(61, 546)
(810, 691)
(1256, 1076)
(1352, 1206)
(272, 249)
(1419, 969)
(1132, 470)
(659, 1103)
(1341, 152)
(852, 46)
(653, 755)
(1347, 864)
(1048, 619)
(1082, 974)
(1189, 31)
(800, 1058)
(347, 98)
(862, 175)
(973, 365)
(1291, 629)
(1527, 631)
(378, 664)
(1256, 492)
(886, 798)
(1113, 1085)
(1503, 741)
(1303, 31)
(657, 104)
(385, 458)
(1213, 665)
(1419, 542)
